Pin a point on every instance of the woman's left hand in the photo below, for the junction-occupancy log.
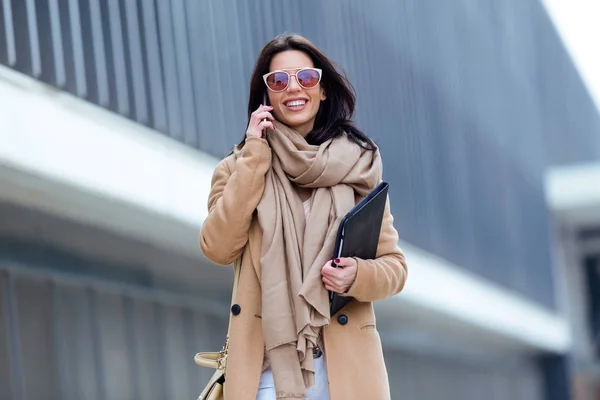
(341, 278)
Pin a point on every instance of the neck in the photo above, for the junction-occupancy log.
(304, 129)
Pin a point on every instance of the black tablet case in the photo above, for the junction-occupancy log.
(358, 234)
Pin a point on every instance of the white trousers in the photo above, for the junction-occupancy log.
(320, 391)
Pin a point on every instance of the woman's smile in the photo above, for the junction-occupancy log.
(296, 104)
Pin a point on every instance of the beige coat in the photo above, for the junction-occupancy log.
(354, 357)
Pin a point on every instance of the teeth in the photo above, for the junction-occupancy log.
(295, 103)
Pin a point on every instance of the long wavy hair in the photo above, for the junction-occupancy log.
(335, 114)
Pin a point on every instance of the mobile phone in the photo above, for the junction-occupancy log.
(266, 103)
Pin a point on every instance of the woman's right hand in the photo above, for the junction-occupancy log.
(257, 125)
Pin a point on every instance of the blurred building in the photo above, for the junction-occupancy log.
(114, 113)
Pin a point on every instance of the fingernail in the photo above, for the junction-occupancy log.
(337, 261)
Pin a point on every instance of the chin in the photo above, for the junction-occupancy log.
(297, 121)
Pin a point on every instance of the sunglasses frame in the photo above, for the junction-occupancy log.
(265, 76)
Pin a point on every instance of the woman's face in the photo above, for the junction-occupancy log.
(295, 106)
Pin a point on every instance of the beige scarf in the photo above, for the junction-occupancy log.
(295, 303)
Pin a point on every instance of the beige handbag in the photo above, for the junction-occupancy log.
(218, 361)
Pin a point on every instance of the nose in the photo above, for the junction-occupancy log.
(293, 86)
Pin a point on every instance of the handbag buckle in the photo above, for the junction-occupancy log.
(222, 360)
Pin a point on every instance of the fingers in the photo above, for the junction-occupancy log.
(328, 269)
(332, 273)
(259, 121)
(340, 285)
(337, 283)
(344, 261)
(266, 125)
(262, 115)
(339, 279)
(261, 110)
(333, 286)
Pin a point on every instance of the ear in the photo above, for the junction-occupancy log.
(323, 95)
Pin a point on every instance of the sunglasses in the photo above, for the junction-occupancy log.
(278, 81)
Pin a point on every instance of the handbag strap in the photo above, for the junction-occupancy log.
(237, 270)
(218, 360)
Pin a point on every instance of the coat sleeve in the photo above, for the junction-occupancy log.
(234, 195)
(386, 275)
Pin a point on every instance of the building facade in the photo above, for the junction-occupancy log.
(114, 113)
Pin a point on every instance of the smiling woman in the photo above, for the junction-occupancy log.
(285, 70)
(294, 90)
(274, 208)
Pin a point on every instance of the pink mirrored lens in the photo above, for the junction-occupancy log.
(278, 81)
(308, 78)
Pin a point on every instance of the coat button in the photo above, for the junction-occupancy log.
(236, 309)
(343, 319)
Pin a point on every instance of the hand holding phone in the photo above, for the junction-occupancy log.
(260, 120)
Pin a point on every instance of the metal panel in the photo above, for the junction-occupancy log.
(231, 81)
(7, 35)
(83, 37)
(76, 344)
(150, 377)
(118, 56)
(567, 114)
(57, 43)
(34, 44)
(74, 55)
(12, 333)
(217, 93)
(176, 353)
(114, 352)
(7, 359)
(155, 83)
(202, 69)
(42, 49)
(57, 343)
(79, 338)
(170, 76)
(22, 41)
(99, 43)
(417, 376)
(182, 50)
(37, 351)
(137, 71)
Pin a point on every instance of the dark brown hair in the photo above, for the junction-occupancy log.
(334, 117)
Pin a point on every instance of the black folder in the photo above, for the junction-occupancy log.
(358, 235)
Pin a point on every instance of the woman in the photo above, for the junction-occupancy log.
(274, 208)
